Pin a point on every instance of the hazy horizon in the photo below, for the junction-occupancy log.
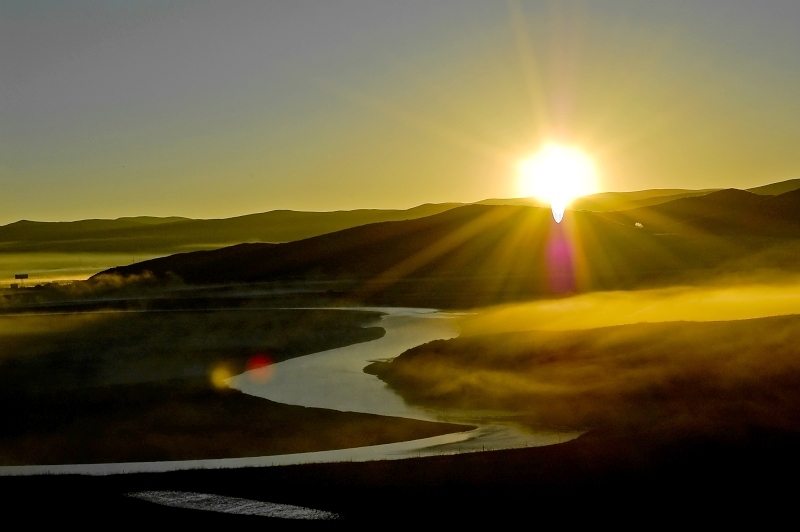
(533, 202)
(212, 110)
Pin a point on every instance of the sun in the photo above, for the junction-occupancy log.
(557, 175)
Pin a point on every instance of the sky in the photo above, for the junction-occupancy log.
(212, 109)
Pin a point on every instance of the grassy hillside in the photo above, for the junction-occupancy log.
(99, 387)
(610, 201)
(150, 235)
(727, 213)
(76, 250)
(480, 254)
(694, 377)
(57, 251)
(622, 201)
(774, 189)
(169, 235)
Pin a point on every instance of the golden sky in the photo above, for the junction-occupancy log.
(213, 109)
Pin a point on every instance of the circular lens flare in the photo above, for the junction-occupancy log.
(557, 175)
(259, 368)
(220, 376)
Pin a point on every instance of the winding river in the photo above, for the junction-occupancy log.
(335, 379)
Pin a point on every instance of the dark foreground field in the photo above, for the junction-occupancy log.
(183, 420)
(137, 384)
(687, 433)
(613, 479)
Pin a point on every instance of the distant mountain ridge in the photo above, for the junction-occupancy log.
(482, 254)
(775, 189)
(172, 235)
(726, 213)
(620, 201)
(610, 201)
(175, 234)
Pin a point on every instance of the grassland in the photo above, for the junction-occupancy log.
(90, 387)
(181, 419)
(598, 478)
(47, 267)
(676, 377)
(480, 255)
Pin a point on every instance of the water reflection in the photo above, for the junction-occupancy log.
(335, 379)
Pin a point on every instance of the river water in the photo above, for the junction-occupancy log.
(335, 379)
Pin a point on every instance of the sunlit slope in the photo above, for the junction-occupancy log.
(774, 189)
(683, 375)
(756, 296)
(145, 235)
(729, 213)
(620, 201)
(151, 235)
(480, 254)
(171, 235)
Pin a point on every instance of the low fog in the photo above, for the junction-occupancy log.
(770, 294)
(725, 356)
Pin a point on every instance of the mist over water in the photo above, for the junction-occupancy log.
(682, 377)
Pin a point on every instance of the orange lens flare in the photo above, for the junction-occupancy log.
(220, 375)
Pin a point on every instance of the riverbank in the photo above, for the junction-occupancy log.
(599, 478)
(148, 427)
(692, 376)
(142, 386)
(337, 379)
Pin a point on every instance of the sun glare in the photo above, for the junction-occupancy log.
(557, 175)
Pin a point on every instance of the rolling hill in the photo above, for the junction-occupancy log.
(478, 254)
(610, 201)
(621, 201)
(161, 236)
(172, 235)
(726, 213)
(775, 189)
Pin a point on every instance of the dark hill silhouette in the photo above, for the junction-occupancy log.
(174, 234)
(730, 213)
(785, 205)
(621, 201)
(156, 236)
(171, 235)
(26, 229)
(712, 204)
(480, 254)
(610, 201)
